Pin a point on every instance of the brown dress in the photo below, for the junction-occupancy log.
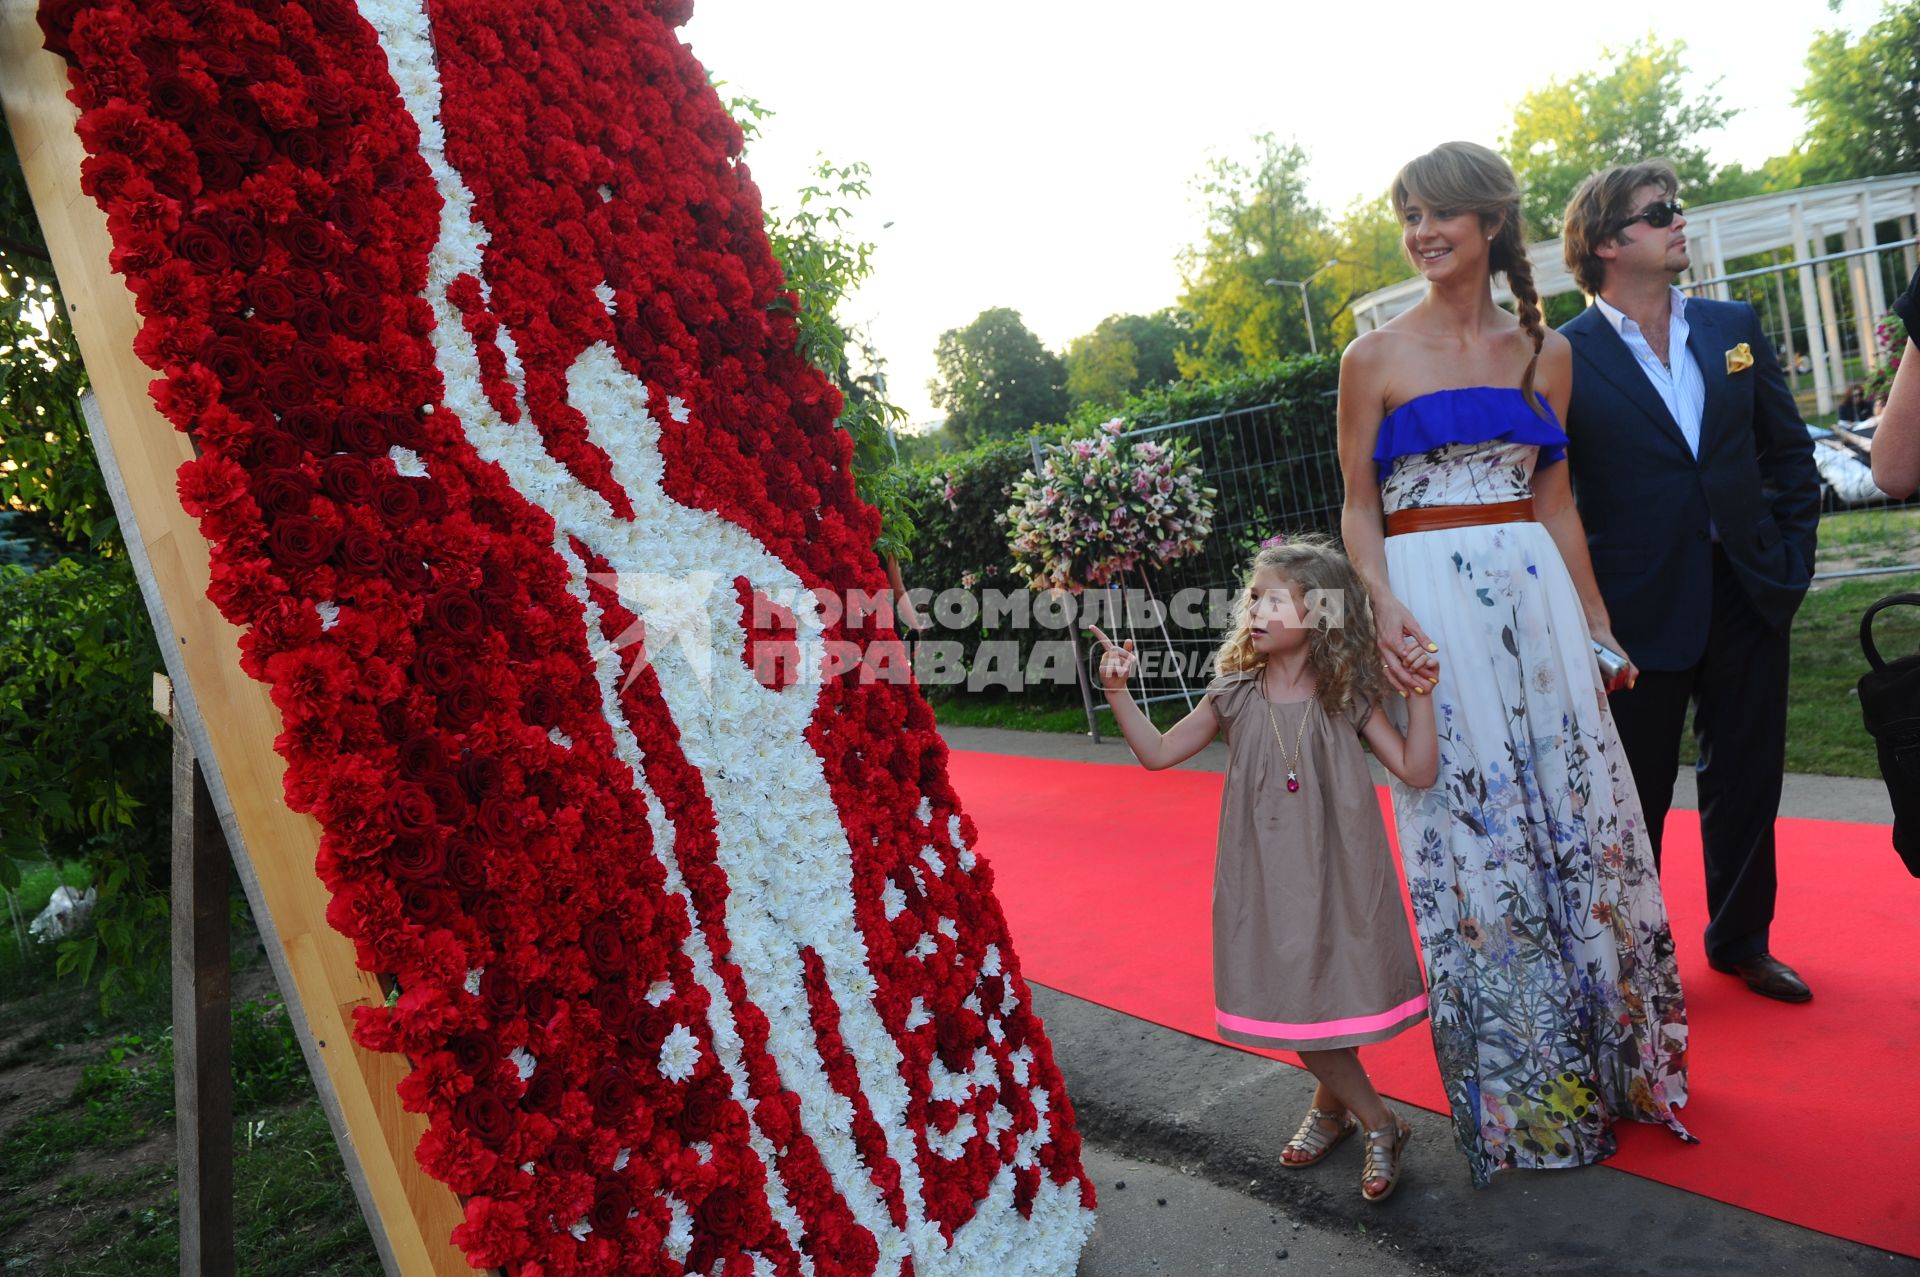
(1311, 947)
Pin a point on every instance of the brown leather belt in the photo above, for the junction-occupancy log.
(1434, 518)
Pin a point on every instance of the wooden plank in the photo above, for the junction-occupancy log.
(229, 719)
(202, 1022)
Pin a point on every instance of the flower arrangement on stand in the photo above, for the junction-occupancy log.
(1098, 508)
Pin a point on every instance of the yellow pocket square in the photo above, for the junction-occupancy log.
(1740, 358)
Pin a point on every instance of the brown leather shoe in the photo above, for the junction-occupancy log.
(1769, 977)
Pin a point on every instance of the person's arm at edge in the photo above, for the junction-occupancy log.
(1896, 443)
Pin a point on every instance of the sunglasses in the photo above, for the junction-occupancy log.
(1659, 216)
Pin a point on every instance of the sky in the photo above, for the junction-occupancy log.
(1042, 156)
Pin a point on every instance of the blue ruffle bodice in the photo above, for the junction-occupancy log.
(1469, 414)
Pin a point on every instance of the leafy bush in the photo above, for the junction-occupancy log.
(85, 764)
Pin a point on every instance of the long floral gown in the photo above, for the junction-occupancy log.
(1555, 997)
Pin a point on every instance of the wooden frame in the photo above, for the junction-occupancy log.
(226, 717)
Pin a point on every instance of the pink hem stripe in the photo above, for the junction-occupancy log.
(1323, 1029)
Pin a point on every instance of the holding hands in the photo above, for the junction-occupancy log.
(1411, 658)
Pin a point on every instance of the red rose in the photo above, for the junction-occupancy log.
(270, 298)
(230, 361)
(567, 1158)
(700, 1116)
(273, 450)
(174, 97)
(605, 949)
(404, 568)
(360, 431)
(475, 1051)
(611, 1202)
(347, 479)
(350, 213)
(499, 992)
(466, 868)
(310, 242)
(545, 1090)
(243, 241)
(481, 1112)
(448, 800)
(311, 318)
(439, 668)
(498, 820)
(455, 615)
(283, 491)
(615, 1007)
(612, 1093)
(318, 366)
(480, 775)
(285, 386)
(425, 903)
(311, 426)
(203, 248)
(721, 1213)
(410, 808)
(361, 551)
(356, 316)
(303, 282)
(300, 542)
(416, 859)
(395, 501)
(302, 147)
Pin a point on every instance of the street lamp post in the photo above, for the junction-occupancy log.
(1313, 346)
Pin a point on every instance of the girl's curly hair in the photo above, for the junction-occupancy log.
(1342, 650)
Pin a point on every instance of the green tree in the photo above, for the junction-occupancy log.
(1862, 99)
(994, 378)
(84, 771)
(1122, 355)
(1260, 225)
(1370, 257)
(1632, 107)
(824, 263)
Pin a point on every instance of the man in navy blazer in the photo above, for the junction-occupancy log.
(1694, 476)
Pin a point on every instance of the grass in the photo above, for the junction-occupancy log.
(1824, 732)
(87, 1177)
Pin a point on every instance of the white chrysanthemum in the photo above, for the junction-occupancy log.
(679, 1054)
(990, 961)
(559, 738)
(918, 1017)
(934, 862)
(659, 991)
(620, 1159)
(893, 900)
(329, 614)
(407, 462)
(472, 984)
(680, 1230)
(523, 1061)
(924, 812)
(580, 1228)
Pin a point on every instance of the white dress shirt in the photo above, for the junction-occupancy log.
(1678, 382)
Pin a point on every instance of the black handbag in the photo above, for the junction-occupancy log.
(1890, 704)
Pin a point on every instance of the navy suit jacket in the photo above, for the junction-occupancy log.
(1648, 503)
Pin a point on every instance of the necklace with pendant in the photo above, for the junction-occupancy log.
(1299, 736)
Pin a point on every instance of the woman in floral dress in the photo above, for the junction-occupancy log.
(1555, 998)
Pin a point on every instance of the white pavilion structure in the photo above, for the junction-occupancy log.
(1801, 222)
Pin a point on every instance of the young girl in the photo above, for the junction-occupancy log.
(1311, 950)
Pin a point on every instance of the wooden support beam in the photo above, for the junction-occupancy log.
(202, 1021)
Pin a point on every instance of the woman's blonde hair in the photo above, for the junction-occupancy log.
(1468, 177)
(1342, 651)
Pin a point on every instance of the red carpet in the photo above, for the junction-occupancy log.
(1106, 874)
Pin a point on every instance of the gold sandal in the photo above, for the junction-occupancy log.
(1385, 1150)
(1313, 1140)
